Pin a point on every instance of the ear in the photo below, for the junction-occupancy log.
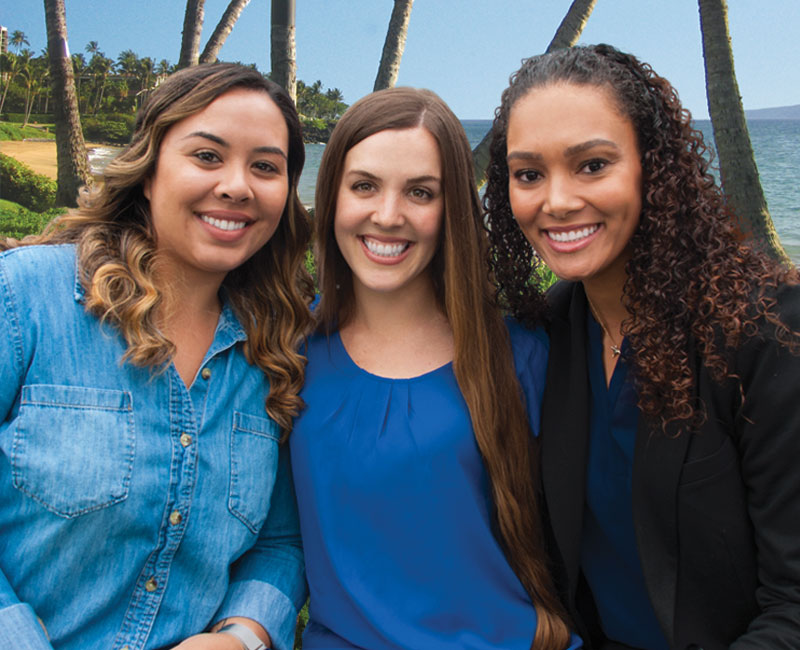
(146, 184)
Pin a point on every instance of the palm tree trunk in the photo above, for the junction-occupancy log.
(570, 29)
(567, 34)
(73, 164)
(192, 27)
(737, 164)
(282, 46)
(394, 45)
(221, 31)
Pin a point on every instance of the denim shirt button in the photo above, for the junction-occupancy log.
(186, 439)
(205, 373)
(151, 585)
(175, 518)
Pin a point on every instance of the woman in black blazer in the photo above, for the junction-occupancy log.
(671, 417)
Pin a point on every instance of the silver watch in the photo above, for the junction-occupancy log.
(246, 636)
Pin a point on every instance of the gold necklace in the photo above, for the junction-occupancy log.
(615, 349)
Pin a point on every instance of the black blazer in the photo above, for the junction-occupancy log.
(716, 511)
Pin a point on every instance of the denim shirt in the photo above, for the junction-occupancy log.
(134, 511)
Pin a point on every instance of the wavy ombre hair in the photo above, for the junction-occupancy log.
(117, 249)
(483, 363)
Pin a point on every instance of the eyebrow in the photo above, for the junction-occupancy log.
(569, 151)
(224, 143)
(417, 179)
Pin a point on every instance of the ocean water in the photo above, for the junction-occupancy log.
(776, 144)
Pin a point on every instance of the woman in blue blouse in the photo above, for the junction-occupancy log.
(148, 373)
(670, 422)
(413, 460)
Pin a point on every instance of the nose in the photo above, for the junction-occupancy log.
(388, 212)
(234, 184)
(562, 197)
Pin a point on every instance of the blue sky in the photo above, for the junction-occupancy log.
(462, 49)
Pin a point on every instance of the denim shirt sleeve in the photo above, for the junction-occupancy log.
(19, 627)
(268, 582)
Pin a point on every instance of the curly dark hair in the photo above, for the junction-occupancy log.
(690, 280)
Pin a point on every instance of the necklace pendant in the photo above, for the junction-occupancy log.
(615, 351)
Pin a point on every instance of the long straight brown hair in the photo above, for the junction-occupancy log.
(483, 363)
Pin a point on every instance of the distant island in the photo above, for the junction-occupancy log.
(776, 113)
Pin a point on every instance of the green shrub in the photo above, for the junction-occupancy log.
(39, 118)
(22, 185)
(115, 128)
(18, 222)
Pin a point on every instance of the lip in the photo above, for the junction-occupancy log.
(571, 246)
(382, 259)
(222, 234)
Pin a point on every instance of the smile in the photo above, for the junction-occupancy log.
(572, 235)
(385, 250)
(223, 224)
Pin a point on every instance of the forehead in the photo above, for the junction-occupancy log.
(245, 109)
(565, 110)
(392, 149)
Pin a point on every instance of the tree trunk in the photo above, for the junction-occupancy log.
(282, 46)
(394, 45)
(192, 27)
(73, 163)
(569, 31)
(737, 164)
(221, 31)
(567, 34)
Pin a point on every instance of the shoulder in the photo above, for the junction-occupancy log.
(42, 260)
(787, 297)
(526, 343)
(530, 348)
(560, 297)
(46, 267)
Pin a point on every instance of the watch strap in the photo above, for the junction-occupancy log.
(246, 636)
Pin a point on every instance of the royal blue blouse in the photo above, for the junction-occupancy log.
(395, 509)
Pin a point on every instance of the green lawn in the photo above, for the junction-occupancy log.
(15, 131)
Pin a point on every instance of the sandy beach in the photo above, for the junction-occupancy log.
(39, 156)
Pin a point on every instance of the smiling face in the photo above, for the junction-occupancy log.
(575, 179)
(220, 185)
(389, 210)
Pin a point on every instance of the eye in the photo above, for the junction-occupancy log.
(594, 166)
(207, 156)
(527, 176)
(421, 193)
(362, 186)
(265, 166)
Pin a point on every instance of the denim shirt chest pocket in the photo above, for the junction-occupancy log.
(73, 447)
(254, 463)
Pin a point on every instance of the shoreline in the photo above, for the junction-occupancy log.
(39, 155)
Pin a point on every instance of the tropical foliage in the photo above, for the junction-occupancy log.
(110, 91)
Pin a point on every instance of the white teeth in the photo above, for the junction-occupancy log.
(572, 235)
(384, 250)
(223, 224)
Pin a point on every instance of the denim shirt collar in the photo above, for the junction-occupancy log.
(229, 329)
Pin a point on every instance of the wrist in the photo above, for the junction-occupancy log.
(245, 636)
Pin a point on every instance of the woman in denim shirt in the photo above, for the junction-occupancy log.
(149, 371)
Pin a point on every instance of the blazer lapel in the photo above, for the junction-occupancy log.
(565, 425)
(657, 465)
